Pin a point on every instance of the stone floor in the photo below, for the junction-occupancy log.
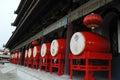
(24, 73)
(9, 75)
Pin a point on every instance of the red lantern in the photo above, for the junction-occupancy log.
(93, 20)
(34, 43)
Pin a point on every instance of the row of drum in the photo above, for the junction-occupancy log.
(49, 54)
(57, 46)
(52, 55)
(79, 42)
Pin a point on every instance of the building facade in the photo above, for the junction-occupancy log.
(45, 20)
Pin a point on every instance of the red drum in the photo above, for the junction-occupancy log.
(88, 41)
(57, 49)
(45, 49)
(58, 46)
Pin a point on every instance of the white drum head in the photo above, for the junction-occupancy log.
(26, 53)
(29, 52)
(43, 50)
(77, 43)
(34, 51)
(54, 47)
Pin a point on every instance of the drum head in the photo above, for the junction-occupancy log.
(34, 51)
(43, 50)
(77, 43)
(54, 47)
(29, 52)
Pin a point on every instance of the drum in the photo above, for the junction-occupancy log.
(58, 46)
(88, 41)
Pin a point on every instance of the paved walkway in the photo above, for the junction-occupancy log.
(17, 72)
(8, 76)
(25, 73)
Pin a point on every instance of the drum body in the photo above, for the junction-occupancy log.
(88, 41)
(58, 46)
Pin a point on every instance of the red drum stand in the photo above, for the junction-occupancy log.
(89, 66)
(58, 62)
(36, 62)
(45, 62)
(26, 61)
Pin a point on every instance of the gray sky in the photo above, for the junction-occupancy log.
(7, 16)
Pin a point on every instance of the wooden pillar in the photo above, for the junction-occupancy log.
(23, 56)
(69, 34)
